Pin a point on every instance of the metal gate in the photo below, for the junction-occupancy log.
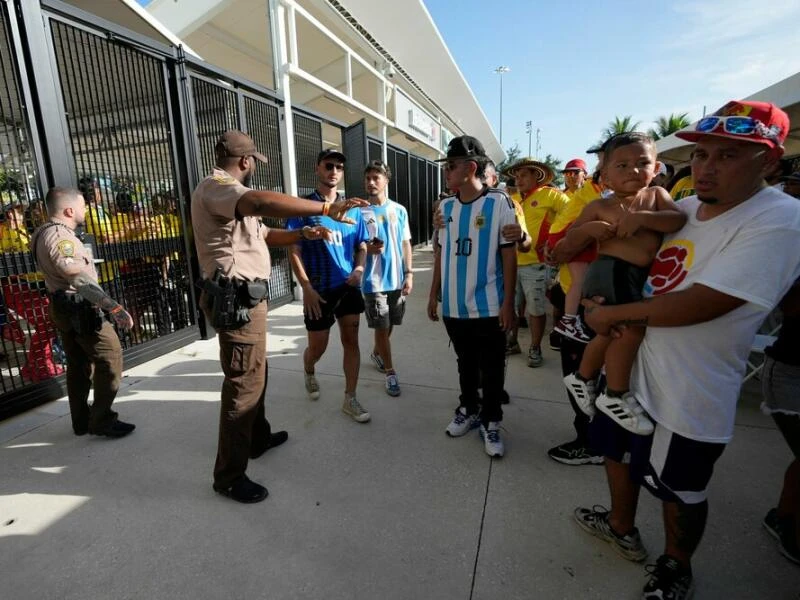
(216, 108)
(29, 352)
(119, 123)
(307, 145)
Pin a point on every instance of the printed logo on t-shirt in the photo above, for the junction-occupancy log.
(670, 267)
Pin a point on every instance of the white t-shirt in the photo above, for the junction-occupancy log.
(688, 378)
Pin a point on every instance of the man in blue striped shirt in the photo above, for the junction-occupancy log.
(477, 278)
(330, 274)
(388, 276)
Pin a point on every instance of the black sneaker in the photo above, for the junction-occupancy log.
(783, 530)
(244, 491)
(555, 341)
(274, 440)
(669, 580)
(575, 453)
(117, 429)
(772, 523)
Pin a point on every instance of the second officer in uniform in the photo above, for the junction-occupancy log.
(77, 304)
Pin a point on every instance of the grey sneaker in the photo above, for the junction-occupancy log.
(462, 423)
(595, 521)
(392, 384)
(535, 357)
(378, 362)
(354, 410)
(312, 386)
(492, 442)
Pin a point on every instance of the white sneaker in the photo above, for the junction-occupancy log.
(573, 329)
(312, 387)
(491, 439)
(583, 392)
(626, 412)
(461, 423)
(354, 410)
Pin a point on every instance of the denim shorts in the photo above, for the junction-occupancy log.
(533, 279)
(780, 385)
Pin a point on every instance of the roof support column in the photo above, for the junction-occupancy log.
(280, 37)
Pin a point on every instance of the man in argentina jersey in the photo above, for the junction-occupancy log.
(477, 277)
(388, 276)
(330, 274)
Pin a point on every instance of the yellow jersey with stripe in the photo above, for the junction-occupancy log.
(540, 209)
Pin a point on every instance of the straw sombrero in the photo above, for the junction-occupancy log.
(544, 174)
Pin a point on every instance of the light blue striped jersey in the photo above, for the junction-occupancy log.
(388, 222)
(472, 267)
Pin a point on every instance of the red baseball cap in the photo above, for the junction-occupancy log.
(576, 164)
(759, 122)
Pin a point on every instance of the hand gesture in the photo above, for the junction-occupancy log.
(601, 230)
(597, 317)
(375, 246)
(628, 225)
(338, 210)
(433, 307)
(408, 284)
(512, 231)
(508, 318)
(318, 232)
(438, 219)
(121, 318)
(354, 279)
(312, 303)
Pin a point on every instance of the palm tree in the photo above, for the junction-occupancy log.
(620, 125)
(668, 125)
(555, 164)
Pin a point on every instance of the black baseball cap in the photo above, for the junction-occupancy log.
(330, 153)
(464, 146)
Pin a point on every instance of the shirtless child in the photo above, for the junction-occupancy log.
(628, 225)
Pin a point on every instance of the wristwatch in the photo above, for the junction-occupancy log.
(304, 231)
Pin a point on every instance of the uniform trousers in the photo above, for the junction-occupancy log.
(243, 427)
(92, 358)
(480, 345)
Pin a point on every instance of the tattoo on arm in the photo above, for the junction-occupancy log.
(92, 292)
(634, 322)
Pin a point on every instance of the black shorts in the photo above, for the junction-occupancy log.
(616, 280)
(339, 302)
(672, 467)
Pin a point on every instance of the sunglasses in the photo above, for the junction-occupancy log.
(733, 125)
(331, 166)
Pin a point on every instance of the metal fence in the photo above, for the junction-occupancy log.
(217, 107)
(119, 127)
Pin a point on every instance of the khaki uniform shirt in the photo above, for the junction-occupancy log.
(235, 245)
(57, 248)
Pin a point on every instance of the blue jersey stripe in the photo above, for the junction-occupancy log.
(448, 212)
(484, 242)
(462, 262)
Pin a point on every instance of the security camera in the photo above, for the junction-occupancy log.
(389, 71)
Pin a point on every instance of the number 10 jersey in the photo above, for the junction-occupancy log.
(471, 265)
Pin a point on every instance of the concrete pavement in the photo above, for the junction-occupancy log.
(389, 510)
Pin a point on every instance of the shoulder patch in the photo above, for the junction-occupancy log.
(66, 248)
(224, 179)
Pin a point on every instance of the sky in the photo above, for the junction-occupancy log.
(576, 65)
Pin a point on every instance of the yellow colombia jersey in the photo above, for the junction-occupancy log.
(683, 188)
(587, 193)
(99, 225)
(17, 240)
(540, 209)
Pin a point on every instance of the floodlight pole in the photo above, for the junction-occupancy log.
(500, 70)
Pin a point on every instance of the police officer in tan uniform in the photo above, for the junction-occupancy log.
(77, 304)
(231, 241)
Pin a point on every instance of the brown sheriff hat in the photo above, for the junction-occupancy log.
(544, 174)
(236, 143)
